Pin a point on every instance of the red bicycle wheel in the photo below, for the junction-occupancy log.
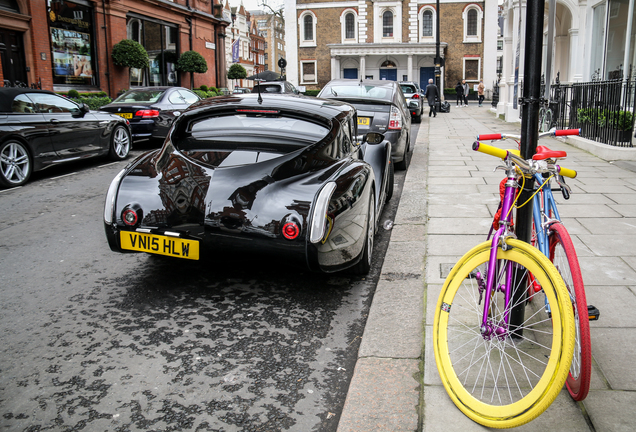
(563, 256)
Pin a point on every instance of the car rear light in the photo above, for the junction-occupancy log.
(319, 219)
(414, 112)
(395, 119)
(132, 215)
(291, 230)
(147, 113)
(416, 96)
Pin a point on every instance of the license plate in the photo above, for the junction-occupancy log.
(364, 121)
(124, 115)
(160, 245)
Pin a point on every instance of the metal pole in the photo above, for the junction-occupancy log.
(438, 60)
(529, 134)
(550, 45)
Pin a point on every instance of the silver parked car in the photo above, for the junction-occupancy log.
(413, 93)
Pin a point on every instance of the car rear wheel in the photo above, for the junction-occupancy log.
(15, 164)
(363, 267)
(390, 182)
(404, 163)
(120, 143)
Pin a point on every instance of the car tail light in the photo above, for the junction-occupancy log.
(150, 113)
(416, 96)
(319, 219)
(395, 119)
(291, 230)
(132, 215)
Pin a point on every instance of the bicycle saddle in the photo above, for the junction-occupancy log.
(545, 153)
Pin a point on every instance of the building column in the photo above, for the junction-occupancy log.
(335, 67)
(363, 66)
(409, 68)
(574, 74)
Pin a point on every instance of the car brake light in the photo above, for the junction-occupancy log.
(395, 119)
(416, 96)
(291, 230)
(129, 217)
(147, 113)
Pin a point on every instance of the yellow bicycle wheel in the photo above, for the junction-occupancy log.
(503, 380)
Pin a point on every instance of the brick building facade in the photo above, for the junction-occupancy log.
(393, 40)
(66, 44)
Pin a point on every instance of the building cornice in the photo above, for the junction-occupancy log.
(426, 48)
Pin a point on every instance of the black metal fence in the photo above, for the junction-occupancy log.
(603, 110)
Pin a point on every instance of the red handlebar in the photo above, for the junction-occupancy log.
(489, 137)
(567, 132)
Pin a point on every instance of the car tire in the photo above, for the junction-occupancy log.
(417, 118)
(363, 267)
(16, 164)
(120, 143)
(404, 163)
(390, 182)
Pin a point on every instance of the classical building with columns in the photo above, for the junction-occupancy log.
(394, 40)
(593, 40)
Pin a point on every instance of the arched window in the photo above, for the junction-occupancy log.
(308, 33)
(387, 24)
(388, 64)
(307, 30)
(350, 26)
(471, 24)
(427, 23)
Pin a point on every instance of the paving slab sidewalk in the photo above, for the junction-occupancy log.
(447, 204)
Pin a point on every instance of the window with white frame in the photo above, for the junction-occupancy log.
(387, 24)
(308, 73)
(427, 24)
(348, 25)
(307, 24)
(472, 17)
(472, 69)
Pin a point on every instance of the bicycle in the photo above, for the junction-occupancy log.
(552, 238)
(500, 366)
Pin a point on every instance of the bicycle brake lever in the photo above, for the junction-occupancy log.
(565, 189)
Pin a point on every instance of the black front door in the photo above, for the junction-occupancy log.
(12, 53)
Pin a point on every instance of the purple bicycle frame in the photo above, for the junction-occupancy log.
(499, 329)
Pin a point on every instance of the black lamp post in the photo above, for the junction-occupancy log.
(438, 60)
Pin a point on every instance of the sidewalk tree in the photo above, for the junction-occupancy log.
(193, 62)
(236, 72)
(130, 54)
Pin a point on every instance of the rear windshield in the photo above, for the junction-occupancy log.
(273, 88)
(407, 88)
(260, 130)
(365, 91)
(139, 96)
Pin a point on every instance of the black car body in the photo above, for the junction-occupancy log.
(415, 102)
(381, 108)
(276, 87)
(39, 128)
(151, 110)
(284, 177)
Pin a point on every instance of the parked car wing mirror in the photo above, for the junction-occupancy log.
(413, 104)
(83, 110)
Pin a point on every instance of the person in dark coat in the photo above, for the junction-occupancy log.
(431, 94)
(459, 90)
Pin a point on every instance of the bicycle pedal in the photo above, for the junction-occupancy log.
(593, 313)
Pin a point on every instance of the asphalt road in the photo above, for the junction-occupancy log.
(98, 341)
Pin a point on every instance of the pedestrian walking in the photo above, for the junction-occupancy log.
(480, 91)
(459, 91)
(431, 95)
(466, 90)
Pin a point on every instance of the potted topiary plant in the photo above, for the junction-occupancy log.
(130, 54)
(193, 62)
(236, 72)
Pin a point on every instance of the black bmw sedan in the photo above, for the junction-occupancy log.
(151, 110)
(39, 128)
(381, 107)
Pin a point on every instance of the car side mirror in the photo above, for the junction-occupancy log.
(83, 110)
(373, 138)
(413, 104)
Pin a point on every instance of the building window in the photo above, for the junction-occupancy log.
(348, 20)
(472, 16)
(472, 66)
(499, 45)
(307, 23)
(308, 72)
(387, 24)
(427, 23)
(499, 65)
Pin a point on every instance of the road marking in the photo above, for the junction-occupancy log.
(108, 164)
(62, 176)
(9, 190)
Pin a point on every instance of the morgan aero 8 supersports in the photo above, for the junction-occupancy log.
(279, 176)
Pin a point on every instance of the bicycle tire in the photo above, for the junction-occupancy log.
(563, 256)
(545, 119)
(449, 341)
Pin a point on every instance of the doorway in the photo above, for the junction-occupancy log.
(12, 56)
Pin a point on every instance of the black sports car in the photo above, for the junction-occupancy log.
(283, 175)
(39, 128)
(151, 110)
(381, 108)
